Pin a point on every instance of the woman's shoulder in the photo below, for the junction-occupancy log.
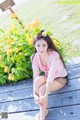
(34, 56)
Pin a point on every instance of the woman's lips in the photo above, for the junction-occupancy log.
(41, 52)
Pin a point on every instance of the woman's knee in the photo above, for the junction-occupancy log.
(40, 80)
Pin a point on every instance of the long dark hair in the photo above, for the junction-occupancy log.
(49, 41)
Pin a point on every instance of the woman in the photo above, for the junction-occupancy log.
(47, 59)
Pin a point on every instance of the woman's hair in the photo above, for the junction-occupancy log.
(49, 41)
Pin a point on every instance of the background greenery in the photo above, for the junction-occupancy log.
(62, 20)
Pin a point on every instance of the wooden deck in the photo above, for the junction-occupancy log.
(64, 104)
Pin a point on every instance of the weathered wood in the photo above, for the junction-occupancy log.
(73, 73)
(73, 66)
(16, 85)
(27, 92)
(78, 96)
(64, 104)
(16, 95)
(61, 113)
(63, 99)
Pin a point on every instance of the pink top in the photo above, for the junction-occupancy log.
(53, 70)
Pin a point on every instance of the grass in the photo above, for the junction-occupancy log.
(50, 13)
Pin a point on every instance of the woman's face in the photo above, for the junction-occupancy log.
(41, 46)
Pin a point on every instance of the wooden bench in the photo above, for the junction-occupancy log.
(64, 104)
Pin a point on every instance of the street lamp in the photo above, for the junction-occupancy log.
(7, 4)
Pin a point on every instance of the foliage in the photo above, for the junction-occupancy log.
(16, 49)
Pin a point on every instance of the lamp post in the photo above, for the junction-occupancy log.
(7, 4)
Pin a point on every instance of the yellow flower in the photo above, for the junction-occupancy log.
(9, 41)
(11, 76)
(30, 41)
(35, 23)
(9, 51)
(6, 69)
(0, 57)
(56, 43)
(44, 34)
(7, 47)
(27, 27)
(13, 16)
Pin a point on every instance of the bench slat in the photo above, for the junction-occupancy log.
(57, 100)
(27, 93)
(62, 113)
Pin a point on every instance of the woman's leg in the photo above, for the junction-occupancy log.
(43, 108)
(55, 85)
(38, 82)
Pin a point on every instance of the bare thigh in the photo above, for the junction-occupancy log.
(55, 85)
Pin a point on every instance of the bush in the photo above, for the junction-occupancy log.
(16, 49)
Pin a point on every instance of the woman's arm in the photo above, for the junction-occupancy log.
(35, 67)
(56, 69)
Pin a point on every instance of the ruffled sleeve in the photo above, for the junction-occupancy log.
(56, 64)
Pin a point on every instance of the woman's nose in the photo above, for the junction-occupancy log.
(41, 49)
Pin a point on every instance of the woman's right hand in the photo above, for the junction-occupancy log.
(36, 99)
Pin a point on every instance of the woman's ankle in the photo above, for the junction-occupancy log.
(42, 117)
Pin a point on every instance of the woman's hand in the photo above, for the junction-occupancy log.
(45, 96)
(36, 98)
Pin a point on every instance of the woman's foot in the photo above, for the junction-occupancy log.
(38, 115)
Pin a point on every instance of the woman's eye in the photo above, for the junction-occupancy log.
(38, 45)
(44, 45)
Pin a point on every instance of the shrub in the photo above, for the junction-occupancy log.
(16, 49)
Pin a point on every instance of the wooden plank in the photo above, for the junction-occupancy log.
(28, 92)
(71, 86)
(73, 66)
(57, 100)
(69, 98)
(16, 95)
(72, 73)
(78, 96)
(16, 85)
(62, 113)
